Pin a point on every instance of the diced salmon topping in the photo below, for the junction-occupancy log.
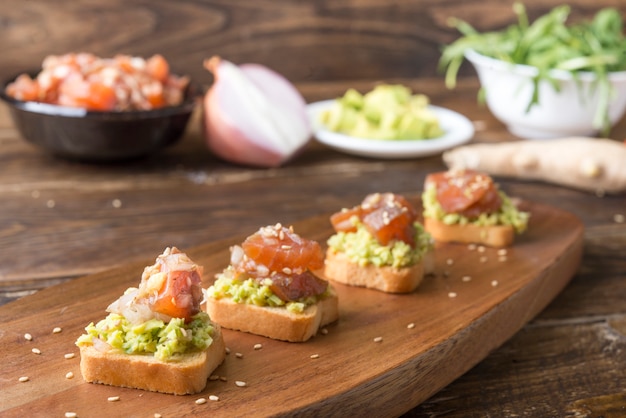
(292, 287)
(102, 84)
(387, 216)
(280, 255)
(465, 192)
(278, 248)
(180, 294)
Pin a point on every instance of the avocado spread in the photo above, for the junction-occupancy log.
(163, 340)
(242, 289)
(362, 248)
(388, 112)
(507, 215)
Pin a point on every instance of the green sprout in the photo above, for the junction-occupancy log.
(597, 46)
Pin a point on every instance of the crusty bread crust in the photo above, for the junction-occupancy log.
(180, 377)
(274, 322)
(492, 236)
(339, 268)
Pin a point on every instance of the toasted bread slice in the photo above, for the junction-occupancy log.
(186, 374)
(274, 322)
(491, 236)
(339, 268)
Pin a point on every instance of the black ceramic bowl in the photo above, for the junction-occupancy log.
(78, 134)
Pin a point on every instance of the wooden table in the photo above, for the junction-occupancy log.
(60, 220)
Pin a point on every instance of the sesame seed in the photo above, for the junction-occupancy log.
(113, 398)
(50, 203)
(227, 350)
(481, 249)
(466, 278)
(36, 351)
(200, 401)
(471, 247)
(502, 251)
(240, 383)
(71, 415)
(69, 356)
(452, 294)
(223, 378)
(449, 261)
(28, 337)
(314, 356)
(69, 375)
(238, 355)
(23, 379)
(214, 398)
(324, 331)
(502, 258)
(483, 259)
(35, 194)
(494, 283)
(214, 377)
(56, 330)
(287, 270)
(258, 346)
(619, 218)
(157, 415)
(116, 203)
(411, 325)
(378, 339)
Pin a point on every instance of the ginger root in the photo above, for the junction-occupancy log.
(590, 164)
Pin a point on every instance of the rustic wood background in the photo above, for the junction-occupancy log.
(570, 358)
(305, 40)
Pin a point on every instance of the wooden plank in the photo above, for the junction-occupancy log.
(304, 40)
(353, 374)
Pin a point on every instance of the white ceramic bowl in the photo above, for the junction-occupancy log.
(570, 111)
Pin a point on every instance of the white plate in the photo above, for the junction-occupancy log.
(457, 130)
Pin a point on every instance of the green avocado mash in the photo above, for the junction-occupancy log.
(362, 248)
(388, 112)
(164, 340)
(507, 215)
(248, 290)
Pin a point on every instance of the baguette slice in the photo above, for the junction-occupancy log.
(274, 322)
(180, 377)
(492, 236)
(339, 268)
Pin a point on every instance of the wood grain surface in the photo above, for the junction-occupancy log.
(61, 220)
(456, 324)
(306, 40)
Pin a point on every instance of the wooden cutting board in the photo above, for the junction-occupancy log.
(386, 354)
